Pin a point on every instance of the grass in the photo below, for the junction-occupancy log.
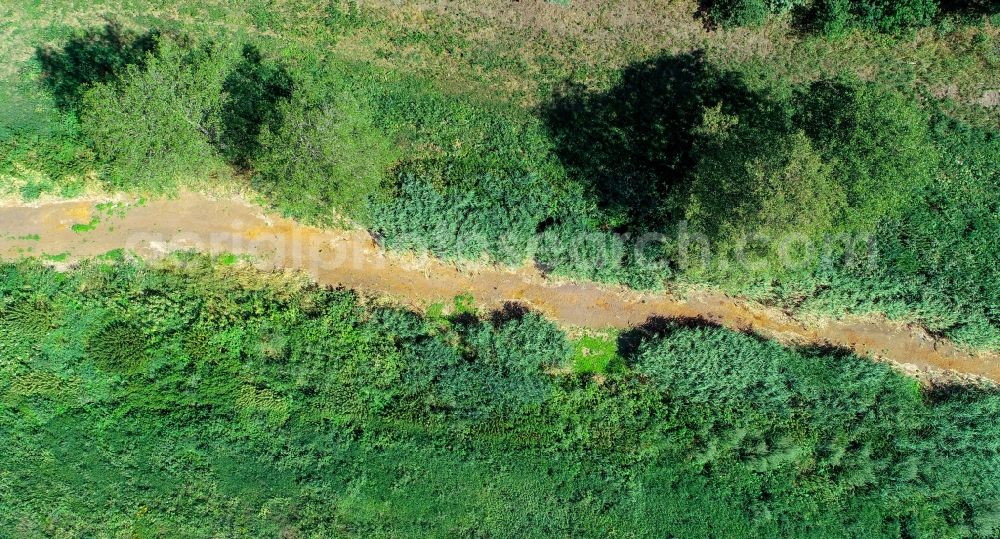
(596, 354)
(114, 255)
(228, 259)
(60, 257)
(86, 227)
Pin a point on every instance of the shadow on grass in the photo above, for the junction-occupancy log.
(97, 55)
(632, 144)
(255, 88)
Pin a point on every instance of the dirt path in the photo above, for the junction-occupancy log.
(68, 231)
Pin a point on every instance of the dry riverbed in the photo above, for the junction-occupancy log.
(66, 231)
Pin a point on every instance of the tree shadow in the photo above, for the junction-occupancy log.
(255, 87)
(969, 7)
(632, 144)
(98, 55)
(510, 312)
(960, 392)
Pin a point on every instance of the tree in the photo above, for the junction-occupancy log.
(754, 180)
(877, 141)
(158, 123)
(326, 155)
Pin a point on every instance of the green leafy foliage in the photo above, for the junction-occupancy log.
(739, 12)
(730, 13)
(326, 155)
(877, 140)
(119, 346)
(253, 90)
(940, 249)
(738, 191)
(895, 16)
(429, 166)
(158, 124)
(835, 17)
(495, 216)
(847, 157)
(831, 18)
(229, 401)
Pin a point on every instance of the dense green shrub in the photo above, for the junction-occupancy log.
(739, 12)
(631, 145)
(326, 156)
(894, 15)
(839, 157)
(939, 259)
(754, 182)
(493, 216)
(505, 367)
(877, 140)
(119, 346)
(158, 123)
(259, 405)
(748, 12)
(830, 17)
(852, 443)
(835, 17)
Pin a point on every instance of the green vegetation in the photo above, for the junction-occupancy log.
(209, 399)
(595, 354)
(829, 157)
(59, 257)
(836, 17)
(86, 227)
(325, 155)
(598, 161)
(157, 121)
(843, 157)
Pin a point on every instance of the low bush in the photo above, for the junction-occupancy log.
(830, 17)
(894, 15)
(491, 216)
(739, 12)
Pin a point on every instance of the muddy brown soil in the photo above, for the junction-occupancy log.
(353, 260)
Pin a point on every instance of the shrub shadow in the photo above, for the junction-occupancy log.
(97, 55)
(655, 327)
(969, 7)
(632, 144)
(510, 311)
(255, 87)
